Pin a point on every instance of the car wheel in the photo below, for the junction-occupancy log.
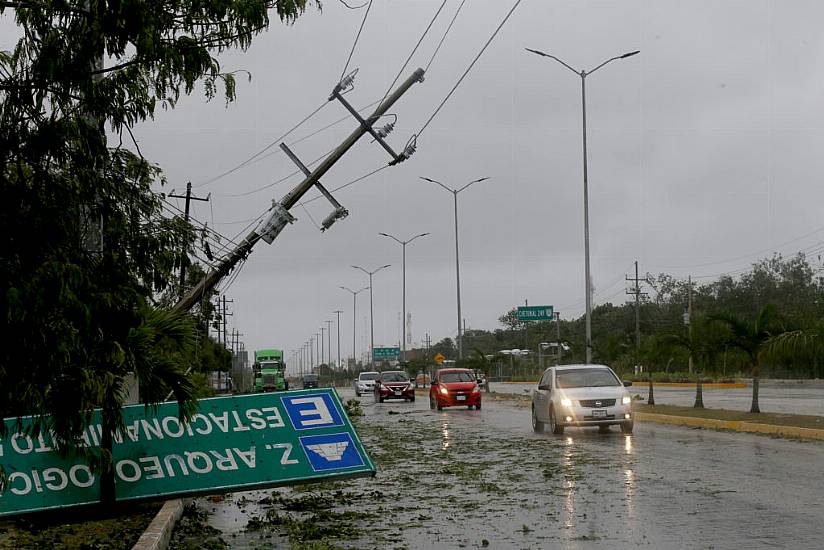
(357, 393)
(556, 428)
(478, 406)
(626, 427)
(431, 403)
(412, 399)
(537, 425)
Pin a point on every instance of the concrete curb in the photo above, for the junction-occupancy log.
(734, 425)
(159, 532)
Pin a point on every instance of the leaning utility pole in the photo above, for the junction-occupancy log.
(269, 229)
(188, 196)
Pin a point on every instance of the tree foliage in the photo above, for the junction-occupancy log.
(86, 249)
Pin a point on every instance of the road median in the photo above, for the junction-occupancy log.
(783, 425)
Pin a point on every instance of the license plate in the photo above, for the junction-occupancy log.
(397, 392)
(599, 413)
(460, 397)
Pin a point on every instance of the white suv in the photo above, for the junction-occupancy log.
(581, 395)
(365, 382)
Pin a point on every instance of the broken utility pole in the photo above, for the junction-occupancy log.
(269, 229)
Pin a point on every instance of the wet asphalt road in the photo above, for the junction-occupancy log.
(790, 397)
(474, 479)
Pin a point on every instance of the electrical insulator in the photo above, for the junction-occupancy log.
(346, 83)
(338, 214)
(408, 151)
(385, 130)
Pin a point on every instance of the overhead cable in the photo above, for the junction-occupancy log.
(269, 146)
(408, 59)
(454, 17)
(357, 37)
(466, 72)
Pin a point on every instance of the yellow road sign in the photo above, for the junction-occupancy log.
(439, 358)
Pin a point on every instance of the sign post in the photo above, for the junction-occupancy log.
(235, 443)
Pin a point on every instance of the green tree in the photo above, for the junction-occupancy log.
(86, 248)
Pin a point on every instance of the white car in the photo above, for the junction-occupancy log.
(365, 383)
(581, 395)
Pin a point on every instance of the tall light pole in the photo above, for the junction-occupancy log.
(338, 312)
(371, 311)
(354, 318)
(328, 342)
(457, 263)
(403, 245)
(322, 345)
(587, 278)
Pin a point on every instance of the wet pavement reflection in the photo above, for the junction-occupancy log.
(459, 478)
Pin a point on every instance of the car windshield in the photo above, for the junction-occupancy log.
(448, 377)
(394, 377)
(369, 376)
(585, 378)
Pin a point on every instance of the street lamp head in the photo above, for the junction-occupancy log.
(630, 54)
(538, 52)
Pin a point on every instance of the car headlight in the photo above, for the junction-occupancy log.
(443, 390)
(476, 389)
(566, 402)
(626, 400)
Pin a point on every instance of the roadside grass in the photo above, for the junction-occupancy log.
(777, 419)
(87, 529)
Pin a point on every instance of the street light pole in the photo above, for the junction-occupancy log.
(371, 311)
(587, 277)
(457, 262)
(403, 324)
(338, 312)
(354, 307)
(329, 342)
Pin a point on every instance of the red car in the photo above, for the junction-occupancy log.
(454, 388)
(394, 384)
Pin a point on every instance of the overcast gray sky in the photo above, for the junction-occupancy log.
(704, 155)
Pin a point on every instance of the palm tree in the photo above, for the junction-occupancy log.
(750, 336)
(805, 343)
(157, 352)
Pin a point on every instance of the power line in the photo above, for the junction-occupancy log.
(357, 37)
(408, 59)
(466, 72)
(304, 138)
(269, 146)
(345, 185)
(454, 17)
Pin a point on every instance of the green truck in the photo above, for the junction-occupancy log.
(270, 370)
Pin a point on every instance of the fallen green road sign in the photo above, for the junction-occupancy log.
(233, 443)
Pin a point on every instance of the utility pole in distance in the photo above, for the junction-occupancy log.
(636, 290)
(188, 198)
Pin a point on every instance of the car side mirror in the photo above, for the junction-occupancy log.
(627, 383)
(545, 387)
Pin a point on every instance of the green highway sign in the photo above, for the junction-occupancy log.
(235, 443)
(385, 354)
(536, 313)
